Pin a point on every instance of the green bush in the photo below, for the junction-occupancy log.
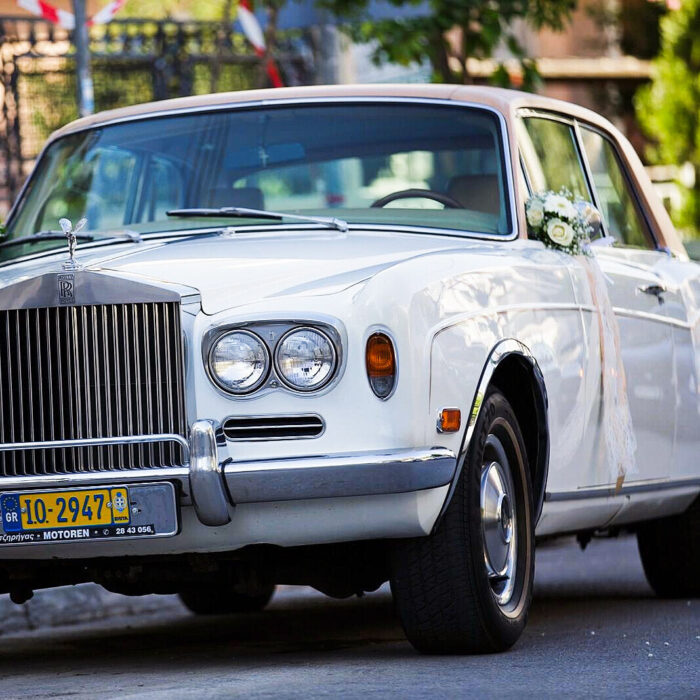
(669, 108)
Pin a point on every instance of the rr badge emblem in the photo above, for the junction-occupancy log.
(66, 289)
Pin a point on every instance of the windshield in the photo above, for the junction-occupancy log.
(418, 164)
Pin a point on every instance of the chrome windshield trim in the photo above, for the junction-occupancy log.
(285, 102)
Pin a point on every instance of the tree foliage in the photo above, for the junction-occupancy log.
(669, 108)
(178, 9)
(451, 31)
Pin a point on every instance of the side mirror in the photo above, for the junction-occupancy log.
(592, 217)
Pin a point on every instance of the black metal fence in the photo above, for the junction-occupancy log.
(132, 61)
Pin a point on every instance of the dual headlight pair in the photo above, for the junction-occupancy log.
(304, 359)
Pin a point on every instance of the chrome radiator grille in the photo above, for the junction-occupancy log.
(79, 372)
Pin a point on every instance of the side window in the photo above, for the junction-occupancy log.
(551, 157)
(620, 213)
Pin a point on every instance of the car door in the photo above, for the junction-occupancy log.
(641, 296)
(553, 155)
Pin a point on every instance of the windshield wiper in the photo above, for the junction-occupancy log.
(44, 236)
(243, 212)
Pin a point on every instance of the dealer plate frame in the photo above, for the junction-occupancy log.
(157, 505)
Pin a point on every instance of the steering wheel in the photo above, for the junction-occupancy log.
(449, 202)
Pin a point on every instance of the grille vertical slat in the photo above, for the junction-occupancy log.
(90, 372)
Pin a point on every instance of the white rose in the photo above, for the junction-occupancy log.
(559, 205)
(560, 232)
(535, 213)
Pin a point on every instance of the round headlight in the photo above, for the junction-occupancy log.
(305, 359)
(239, 362)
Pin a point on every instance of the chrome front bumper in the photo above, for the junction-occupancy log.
(216, 486)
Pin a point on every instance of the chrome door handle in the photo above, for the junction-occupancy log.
(654, 289)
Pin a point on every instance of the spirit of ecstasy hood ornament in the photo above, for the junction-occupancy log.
(71, 234)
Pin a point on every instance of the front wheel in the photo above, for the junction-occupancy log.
(466, 589)
(222, 600)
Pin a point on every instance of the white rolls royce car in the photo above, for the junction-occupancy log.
(304, 336)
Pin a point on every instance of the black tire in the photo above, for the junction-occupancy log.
(670, 552)
(220, 600)
(445, 600)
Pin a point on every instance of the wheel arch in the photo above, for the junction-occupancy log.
(510, 367)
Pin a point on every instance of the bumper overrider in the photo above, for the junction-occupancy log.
(216, 487)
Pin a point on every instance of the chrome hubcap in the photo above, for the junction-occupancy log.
(498, 524)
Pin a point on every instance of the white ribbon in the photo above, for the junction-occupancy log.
(620, 440)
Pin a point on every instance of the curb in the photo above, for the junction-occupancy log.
(72, 605)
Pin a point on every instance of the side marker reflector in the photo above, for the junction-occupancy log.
(449, 421)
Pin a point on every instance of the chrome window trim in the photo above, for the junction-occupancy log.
(576, 123)
(528, 112)
(273, 382)
(355, 99)
(639, 206)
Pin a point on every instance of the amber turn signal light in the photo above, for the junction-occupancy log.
(450, 420)
(380, 358)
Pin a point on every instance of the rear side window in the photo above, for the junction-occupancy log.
(620, 213)
(551, 157)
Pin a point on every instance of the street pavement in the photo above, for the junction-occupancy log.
(595, 629)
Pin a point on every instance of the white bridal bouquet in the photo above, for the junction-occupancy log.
(555, 219)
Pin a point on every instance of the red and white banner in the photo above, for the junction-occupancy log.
(66, 19)
(106, 14)
(48, 12)
(254, 33)
(248, 21)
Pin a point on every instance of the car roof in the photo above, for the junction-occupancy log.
(504, 101)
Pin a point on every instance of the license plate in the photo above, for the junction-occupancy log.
(51, 510)
(108, 512)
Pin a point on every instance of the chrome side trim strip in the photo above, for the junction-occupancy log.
(206, 486)
(500, 352)
(658, 318)
(611, 491)
(339, 476)
(506, 308)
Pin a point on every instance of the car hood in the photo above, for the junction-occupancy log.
(236, 269)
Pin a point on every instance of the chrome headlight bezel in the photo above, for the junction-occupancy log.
(334, 360)
(216, 378)
(271, 332)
